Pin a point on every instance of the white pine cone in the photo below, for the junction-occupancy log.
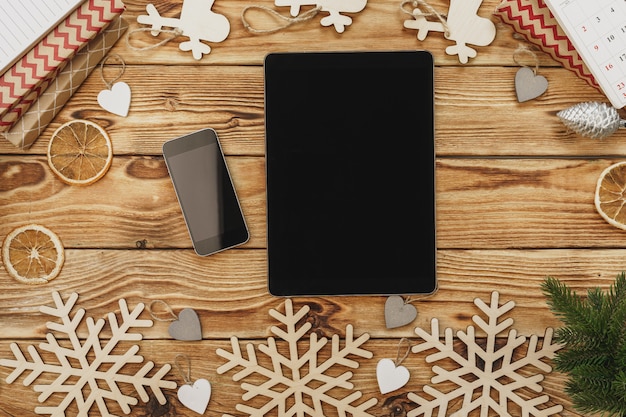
(591, 119)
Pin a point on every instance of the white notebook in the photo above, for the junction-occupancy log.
(24, 23)
(597, 29)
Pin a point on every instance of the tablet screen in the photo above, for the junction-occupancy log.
(350, 173)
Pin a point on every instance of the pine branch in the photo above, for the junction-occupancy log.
(594, 335)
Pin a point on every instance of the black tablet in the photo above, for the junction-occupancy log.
(350, 164)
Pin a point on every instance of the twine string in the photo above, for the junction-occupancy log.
(411, 300)
(522, 49)
(286, 20)
(173, 33)
(431, 12)
(167, 310)
(118, 76)
(399, 359)
(185, 374)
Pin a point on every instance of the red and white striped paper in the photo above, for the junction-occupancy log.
(533, 20)
(27, 79)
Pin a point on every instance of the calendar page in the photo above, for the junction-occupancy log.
(597, 29)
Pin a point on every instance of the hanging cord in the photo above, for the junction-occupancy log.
(107, 83)
(168, 310)
(286, 21)
(430, 12)
(399, 359)
(173, 33)
(522, 49)
(186, 375)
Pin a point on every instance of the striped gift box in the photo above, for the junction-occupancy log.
(27, 79)
(28, 128)
(533, 20)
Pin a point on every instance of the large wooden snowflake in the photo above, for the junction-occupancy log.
(88, 373)
(299, 380)
(485, 368)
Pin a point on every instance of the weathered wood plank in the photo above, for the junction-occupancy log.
(134, 202)
(476, 112)
(481, 203)
(229, 290)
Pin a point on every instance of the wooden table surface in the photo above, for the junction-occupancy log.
(515, 194)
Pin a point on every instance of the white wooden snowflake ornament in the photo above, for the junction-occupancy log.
(197, 22)
(88, 373)
(486, 367)
(298, 384)
(333, 7)
(462, 25)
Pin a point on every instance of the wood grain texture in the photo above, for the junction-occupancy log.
(514, 201)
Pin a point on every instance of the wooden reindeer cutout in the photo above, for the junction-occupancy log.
(197, 21)
(333, 7)
(462, 25)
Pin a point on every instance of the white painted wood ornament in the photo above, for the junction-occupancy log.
(193, 395)
(334, 8)
(116, 97)
(462, 25)
(91, 372)
(197, 22)
(116, 100)
(391, 375)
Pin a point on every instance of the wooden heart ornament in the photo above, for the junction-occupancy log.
(116, 100)
(529, 85)
(398, 313)
(187, 326)
(195, 397)
(391, 377)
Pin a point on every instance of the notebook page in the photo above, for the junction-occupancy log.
(597, 29)
(23, 23)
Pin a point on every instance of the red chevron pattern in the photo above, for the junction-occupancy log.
(533, 20)
(29, 77)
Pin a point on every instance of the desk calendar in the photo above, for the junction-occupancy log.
(597, 29)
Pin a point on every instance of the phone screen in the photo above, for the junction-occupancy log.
(205, 192)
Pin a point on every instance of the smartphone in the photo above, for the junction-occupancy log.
(205, 191)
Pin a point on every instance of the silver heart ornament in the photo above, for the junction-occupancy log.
(398, 313)
(187, 326)
(529, 85)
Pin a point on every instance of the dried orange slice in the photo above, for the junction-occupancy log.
(80, 152)
(610, 197)
(33, 254)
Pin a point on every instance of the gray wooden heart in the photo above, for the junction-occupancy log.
(187, 327)
(398, 313)
(528, 85)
